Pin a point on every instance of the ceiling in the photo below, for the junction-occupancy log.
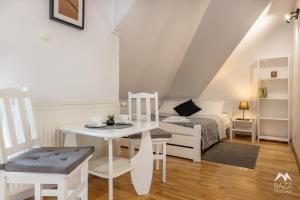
(176, 47)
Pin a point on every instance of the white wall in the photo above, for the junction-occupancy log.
(235, 83)
(220, 31)
(270, 36)
(121, 7)
(69, 65)
(296, 101)
(51, 117)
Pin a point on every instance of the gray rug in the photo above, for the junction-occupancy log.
(241, 155)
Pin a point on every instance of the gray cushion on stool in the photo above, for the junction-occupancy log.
(155, 134)
(55, 160)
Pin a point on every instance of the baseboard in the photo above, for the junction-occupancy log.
(296, 157)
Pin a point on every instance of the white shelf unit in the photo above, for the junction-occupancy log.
(273, 112)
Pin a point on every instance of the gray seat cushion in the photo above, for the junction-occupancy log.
(155, 134)
(56, 160)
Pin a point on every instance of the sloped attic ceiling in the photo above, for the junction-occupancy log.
(176, 47)
(121, 7)
(234, 77)
(223, 26)
(154, 36)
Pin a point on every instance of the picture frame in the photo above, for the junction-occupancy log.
(68, 12)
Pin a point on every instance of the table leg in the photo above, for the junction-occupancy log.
(70, 140)
(110, 169)
(141, 176)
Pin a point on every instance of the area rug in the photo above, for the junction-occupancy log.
(241, 155)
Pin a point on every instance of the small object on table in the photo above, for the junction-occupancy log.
(244, 105)
(124, 119)
(94, 125)
(110, 120)
(96, 120)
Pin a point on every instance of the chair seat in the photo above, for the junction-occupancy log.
(155, 134)
(55, 160)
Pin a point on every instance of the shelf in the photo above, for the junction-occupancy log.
(99, 167)
(274, 79)
(274, 99)
(280, 59)
(282, 139)
(273, 111)
(250, 130)
(274, 118)
(243, 121)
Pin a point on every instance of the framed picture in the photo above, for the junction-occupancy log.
(69, 12)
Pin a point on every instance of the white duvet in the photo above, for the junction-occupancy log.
(172, 119)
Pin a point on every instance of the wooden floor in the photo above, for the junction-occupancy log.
(209, 180)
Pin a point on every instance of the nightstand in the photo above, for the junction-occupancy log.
(243, 126)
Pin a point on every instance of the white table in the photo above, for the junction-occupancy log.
(141, 165)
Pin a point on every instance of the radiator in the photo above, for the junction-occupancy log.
(50, 117)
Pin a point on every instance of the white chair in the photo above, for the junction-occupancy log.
(159, 137)
(25, 163)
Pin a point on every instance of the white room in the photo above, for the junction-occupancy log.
(149, 99)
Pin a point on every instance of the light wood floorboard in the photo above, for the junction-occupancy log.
(212, 181)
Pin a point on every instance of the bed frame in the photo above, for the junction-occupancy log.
(185, 142)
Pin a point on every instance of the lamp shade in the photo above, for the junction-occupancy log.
(244, 105)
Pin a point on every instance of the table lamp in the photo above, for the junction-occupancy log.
(244, 106)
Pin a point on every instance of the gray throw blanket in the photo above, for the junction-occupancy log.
(209, 130)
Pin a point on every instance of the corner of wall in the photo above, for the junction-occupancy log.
(296, 95)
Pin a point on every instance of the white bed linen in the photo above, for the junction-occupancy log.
(209, 107)
(171, 119)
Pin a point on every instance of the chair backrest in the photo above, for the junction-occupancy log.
(138, 98)
(17, 125)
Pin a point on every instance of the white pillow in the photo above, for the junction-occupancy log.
(167, 107)
(209, 107)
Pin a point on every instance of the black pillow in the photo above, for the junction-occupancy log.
(187, 108)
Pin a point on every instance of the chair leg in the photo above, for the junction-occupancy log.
(37, 192)
(84, 180)
(4, 187)
(164, 153)
(157, 153)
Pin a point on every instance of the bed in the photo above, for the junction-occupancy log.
(187, 132)
(187, 139)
